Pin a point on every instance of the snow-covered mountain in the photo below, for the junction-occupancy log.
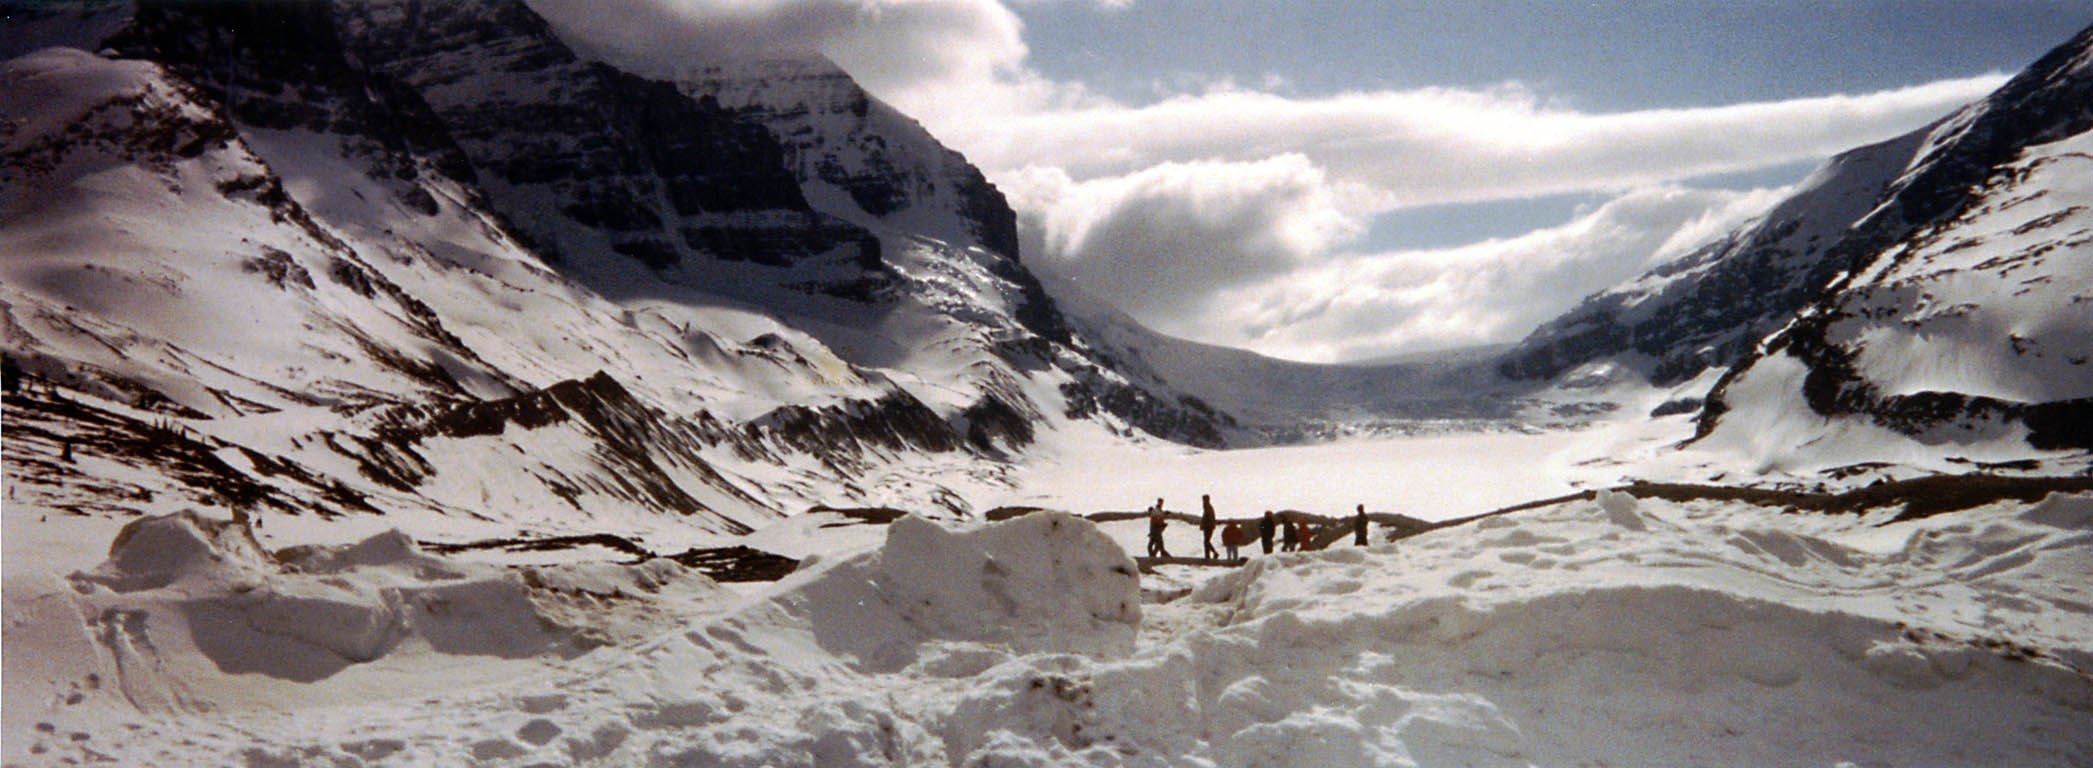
(1707, 308)
(375, 243)
(1710, 307)
(427, 256)
(1962, 311)
(1933, 285)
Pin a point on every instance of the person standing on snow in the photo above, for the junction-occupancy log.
(1290, 537)
(1264, 531)
(1359, 527)
(1206, 526)
(1156, 524)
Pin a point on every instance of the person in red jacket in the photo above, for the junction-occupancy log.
(1234, 537)
(1156, 523)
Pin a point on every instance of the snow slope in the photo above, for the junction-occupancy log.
(161, 262)
(1707, 307)
(1963, 317)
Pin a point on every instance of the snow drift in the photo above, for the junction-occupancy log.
(1048, 582)
(183, 589)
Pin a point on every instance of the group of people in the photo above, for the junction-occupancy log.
(1296, 535)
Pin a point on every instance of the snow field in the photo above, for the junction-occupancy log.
(1431, 477)
(1608, 632)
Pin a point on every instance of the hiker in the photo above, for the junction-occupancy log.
(1307, 536)
(1359, 527)
(1290, 536)
(1206, 526)
(1233, 537)
(1155, 531)
(1264, 531)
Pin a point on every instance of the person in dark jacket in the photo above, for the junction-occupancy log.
(1156, 523)
(1290, 537)
(1359, 527)
(1264, 531)
(1206, 526)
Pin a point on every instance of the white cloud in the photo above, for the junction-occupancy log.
(1452, 145)
(1161, 241)
(1351, 306)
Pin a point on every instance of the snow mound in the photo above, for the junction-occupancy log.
(1046, 582)
(2062, 510)
(158, 551)
(1621, 510)
(308, 613)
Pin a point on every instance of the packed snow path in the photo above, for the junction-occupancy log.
(1612, 631)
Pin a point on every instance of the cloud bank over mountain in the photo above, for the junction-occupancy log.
(1234, 213)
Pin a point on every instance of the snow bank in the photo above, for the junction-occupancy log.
(1615, 631)
(1601, 632)
(188, 583)
(1047, 582)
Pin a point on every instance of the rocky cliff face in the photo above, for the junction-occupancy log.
(860, 160)
(583, 157)
(839, 137)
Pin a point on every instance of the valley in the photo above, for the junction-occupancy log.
(408, 383)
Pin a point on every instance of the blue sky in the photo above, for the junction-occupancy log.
(1335, 180)
(1599, 55)
(1608, 55)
